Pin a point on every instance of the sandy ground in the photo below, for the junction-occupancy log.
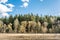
(4, 36)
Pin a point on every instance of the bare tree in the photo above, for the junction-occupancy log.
(1, 26)
(31, 26)
(38, 27)
(4, 28)
(22, 29)
(9, 28)
(16, 24)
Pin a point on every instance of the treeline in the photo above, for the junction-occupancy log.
(30, 23)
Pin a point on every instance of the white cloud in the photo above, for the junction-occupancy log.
(41, 0)
(5, 8)
(3, 1)
(10, 5)
(5, 14)
(25, 5)
(25, 0)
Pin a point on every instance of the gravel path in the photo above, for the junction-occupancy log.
(29, 36)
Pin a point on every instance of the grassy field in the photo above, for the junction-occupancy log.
(29, 36)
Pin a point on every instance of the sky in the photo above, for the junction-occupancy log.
(40, 7)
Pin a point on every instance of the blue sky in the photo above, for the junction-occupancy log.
(44, 7)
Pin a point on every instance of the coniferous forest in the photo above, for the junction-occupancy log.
(30, 23)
